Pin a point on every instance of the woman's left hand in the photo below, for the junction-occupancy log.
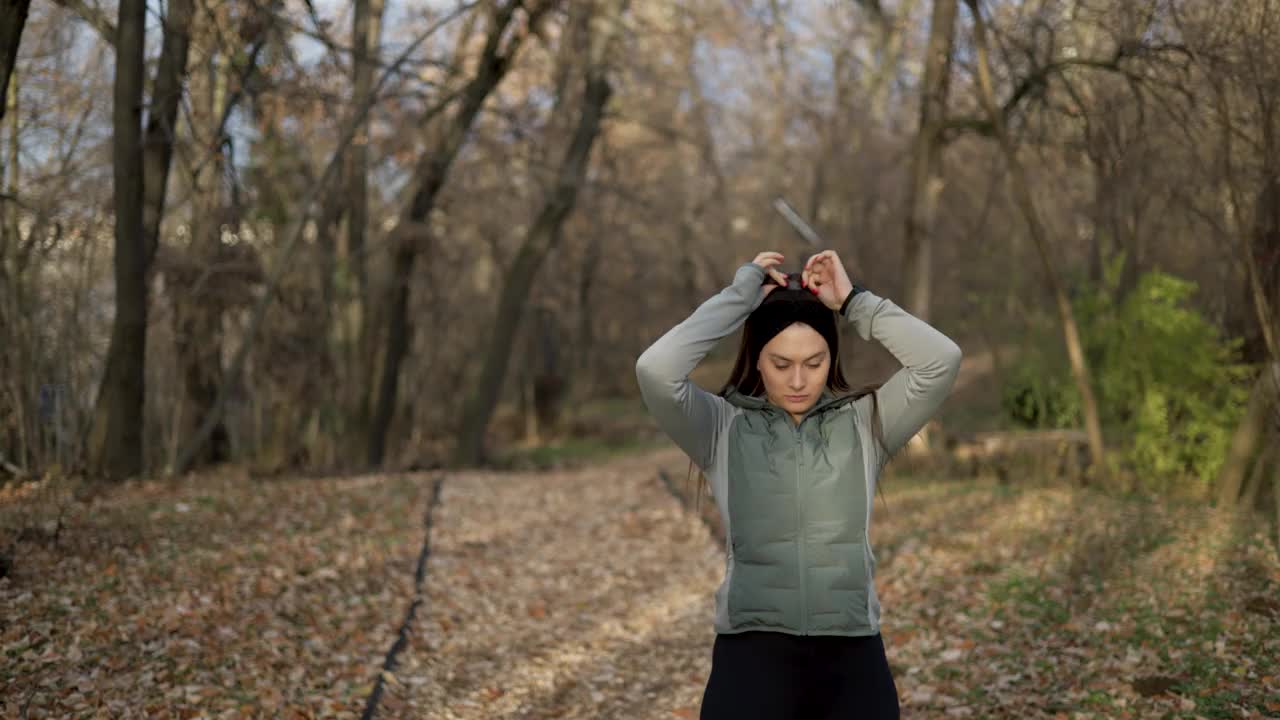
(824, 275)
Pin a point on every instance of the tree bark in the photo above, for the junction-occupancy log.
(1261, 467)
(166, 95)
(357, 339)
(13, 17)
(1025, 202)
(1275, 492)
(539, 240)
(1245, 440)
(584, 337)
(114, 446)
(197, 303)
(926, 179)
(546, 372)
(367, 38)
(926, 171)
(428, 178)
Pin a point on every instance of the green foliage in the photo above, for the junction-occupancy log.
(1167, 383)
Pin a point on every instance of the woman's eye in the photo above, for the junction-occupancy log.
(815, 367)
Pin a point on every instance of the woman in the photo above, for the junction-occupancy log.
(792, 460)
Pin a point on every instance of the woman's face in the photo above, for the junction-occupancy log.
(794, 365)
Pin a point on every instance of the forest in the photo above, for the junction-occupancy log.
(319, 324)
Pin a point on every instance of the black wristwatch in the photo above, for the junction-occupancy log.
(845, 305)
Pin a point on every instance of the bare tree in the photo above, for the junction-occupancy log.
(156, 150)
(114, 449)
(544, 233)
(298, 359)
(204, 272)
(1231, 48)
(1022, 193)
(366, 34)
(445, 140)
(926, 176)
(318, 188)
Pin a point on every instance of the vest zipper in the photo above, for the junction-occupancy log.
(804, 602)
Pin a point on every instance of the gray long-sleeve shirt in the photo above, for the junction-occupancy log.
(822, 509)
(692, 416)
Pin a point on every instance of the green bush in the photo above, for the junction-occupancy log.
(1169, 389)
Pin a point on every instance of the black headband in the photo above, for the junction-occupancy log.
(785, 306)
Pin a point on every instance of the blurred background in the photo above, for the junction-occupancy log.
(319, 322)
(322, 237)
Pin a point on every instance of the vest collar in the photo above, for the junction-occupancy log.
(826, 400)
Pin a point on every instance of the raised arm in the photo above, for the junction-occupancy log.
(690, 415)
(930, 360)
(930, 363)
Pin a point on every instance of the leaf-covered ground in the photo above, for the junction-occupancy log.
(588, 594)
(224, 598)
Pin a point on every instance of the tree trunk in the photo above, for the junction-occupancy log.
(1261, 471)
(368, 34)
(13, 17)
(428, 178)
(166, 96)
(276, 272)
(543, 377)
(926, 168)
(1263, 246)
(1247, 238)
(1275, 492)
(1245, 440)
(549, 378)
(15, 319)
(114, 445)
(356, 338)
(926, 178)
(199, 300)
(584, 338)
(539, 241)
(1022, 195)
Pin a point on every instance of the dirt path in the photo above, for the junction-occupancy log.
(588, 594)
(581, 594)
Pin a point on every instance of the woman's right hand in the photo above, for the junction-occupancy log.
(768, 260)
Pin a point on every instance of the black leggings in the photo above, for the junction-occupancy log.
(763, 675)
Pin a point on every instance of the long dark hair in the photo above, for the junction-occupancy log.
(745, 376)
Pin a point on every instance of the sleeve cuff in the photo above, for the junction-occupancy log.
(845, 305)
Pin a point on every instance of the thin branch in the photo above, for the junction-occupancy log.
(1039, 78)
(277, 271)
(337, 47)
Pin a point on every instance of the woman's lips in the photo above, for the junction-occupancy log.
(796, 397)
